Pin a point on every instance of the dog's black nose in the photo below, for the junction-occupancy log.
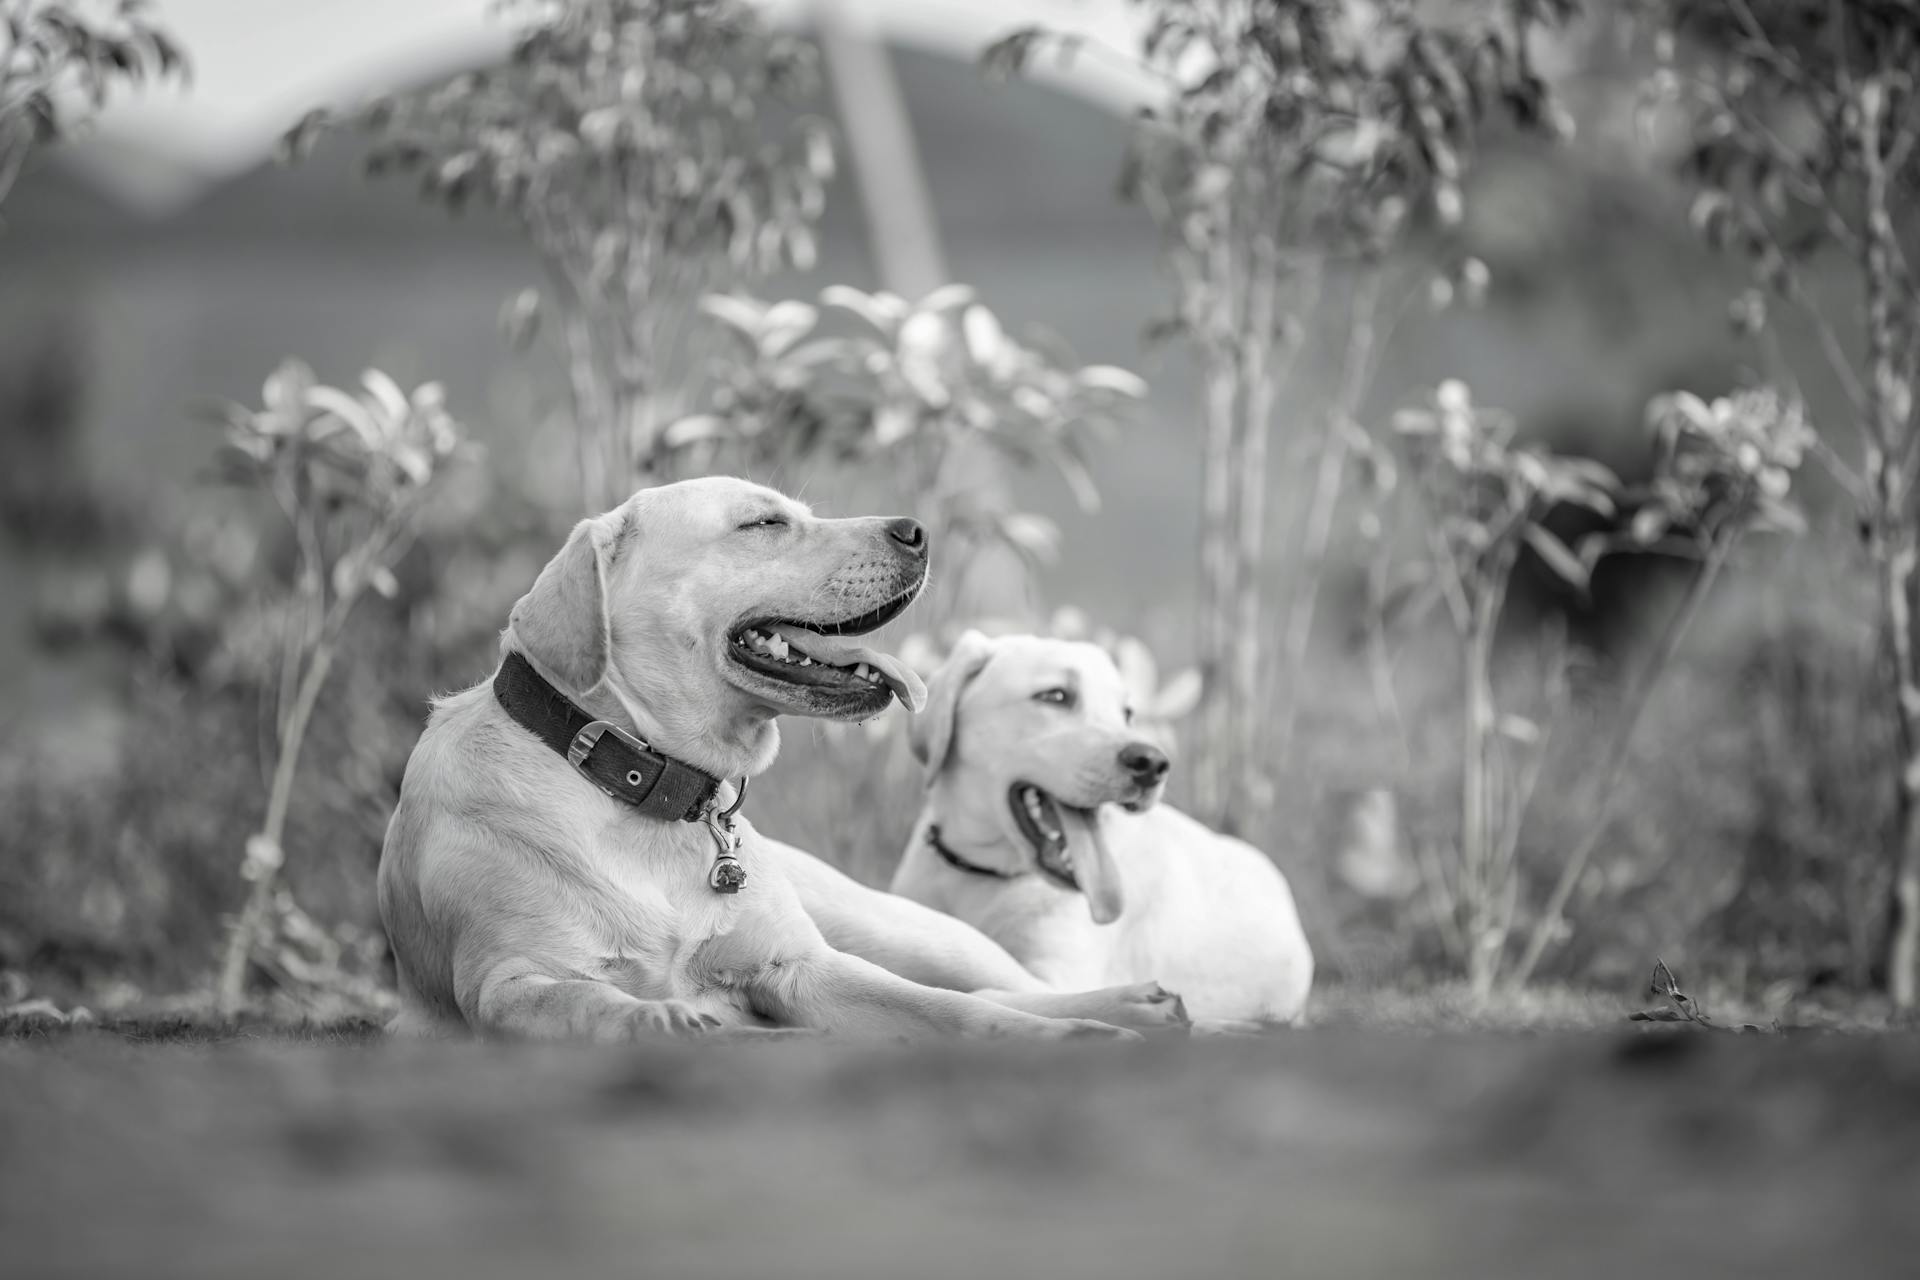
(1148, 764)
(909, 536)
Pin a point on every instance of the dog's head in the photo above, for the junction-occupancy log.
(710, 606)
(1039, 734)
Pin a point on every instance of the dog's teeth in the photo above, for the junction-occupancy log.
(777, 646)
(862, 672)
(805, 661)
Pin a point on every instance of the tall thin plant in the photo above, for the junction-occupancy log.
(1805, 146)
(351, 473)
(1482, 501)
(1291, 145)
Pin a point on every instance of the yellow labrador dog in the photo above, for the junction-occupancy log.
(1040, 827)
(567, 857)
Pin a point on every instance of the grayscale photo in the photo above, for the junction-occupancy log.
(949, 638)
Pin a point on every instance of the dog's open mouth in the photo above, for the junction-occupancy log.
(1070, 848)
(1039, 817)
(823, 659)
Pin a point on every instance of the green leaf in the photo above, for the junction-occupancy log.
(1107, 377)
(330, 400)
(1557, 556)
(745, 316)
(694, 429)
(885, 312)
(784, 324)
(520, 319)
(1073, 469)
(948, 297)
(286, 387)
(387, 394)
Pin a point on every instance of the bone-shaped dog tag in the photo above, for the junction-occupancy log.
(726, 875)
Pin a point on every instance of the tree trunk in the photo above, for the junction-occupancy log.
(1889, 409)
(1478, 891)
(1328, 483)
(1248, 789)
(1903, 907)
(246, 929)
(1216, 582)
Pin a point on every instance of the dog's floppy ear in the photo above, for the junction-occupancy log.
(931, 732)
(561, 623)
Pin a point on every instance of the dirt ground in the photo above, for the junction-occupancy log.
(1330, 1152)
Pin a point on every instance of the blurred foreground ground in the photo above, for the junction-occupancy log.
(1336, 1151)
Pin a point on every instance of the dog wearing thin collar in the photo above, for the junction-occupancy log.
(1041, 826)
(569, 857)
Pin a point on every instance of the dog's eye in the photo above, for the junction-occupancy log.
(1058, 697)
(766, 522)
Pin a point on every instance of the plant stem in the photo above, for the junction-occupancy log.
(1329, 476)
(1541, 936)
(1244, 709)
(246, 928)
(1475, 776)
(1889, 408)
(1895, 578)
(1216, 528)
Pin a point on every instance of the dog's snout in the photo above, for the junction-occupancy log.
(909, 536)
(1146, 763)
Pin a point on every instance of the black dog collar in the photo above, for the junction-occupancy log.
(959, 863)
(620, 764)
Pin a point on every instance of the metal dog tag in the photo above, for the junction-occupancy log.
(726, 875)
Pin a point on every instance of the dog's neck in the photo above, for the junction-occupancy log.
(737, 746)
(970, 831)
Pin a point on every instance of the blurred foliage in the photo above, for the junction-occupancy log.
(902, 393)
(351, 474)
(630, 139)
(1805, 126)
(1483, 499)
(635, 143)
(46, 504)
(1286, 141)
(61, 60)
(1721, 471)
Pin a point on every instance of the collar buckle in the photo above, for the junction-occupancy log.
(589, 737)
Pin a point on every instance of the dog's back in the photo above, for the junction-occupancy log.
(430, 789)
(1224, 914)
(1207, 915)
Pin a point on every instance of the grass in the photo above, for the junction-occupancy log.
(1446, 1007)
(1337, 1151)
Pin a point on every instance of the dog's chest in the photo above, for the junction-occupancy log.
(666, 919)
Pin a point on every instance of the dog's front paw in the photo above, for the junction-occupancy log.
(654, 1018)
(1088, 1029)
(1146, 1006)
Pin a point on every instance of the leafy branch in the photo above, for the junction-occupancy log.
(630, 139)
(59, 60)
(902, 385)
(352, 474)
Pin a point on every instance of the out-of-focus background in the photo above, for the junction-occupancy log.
(1601, 788)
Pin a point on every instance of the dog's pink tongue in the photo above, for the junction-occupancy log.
(841, 651)
(1093, 864)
